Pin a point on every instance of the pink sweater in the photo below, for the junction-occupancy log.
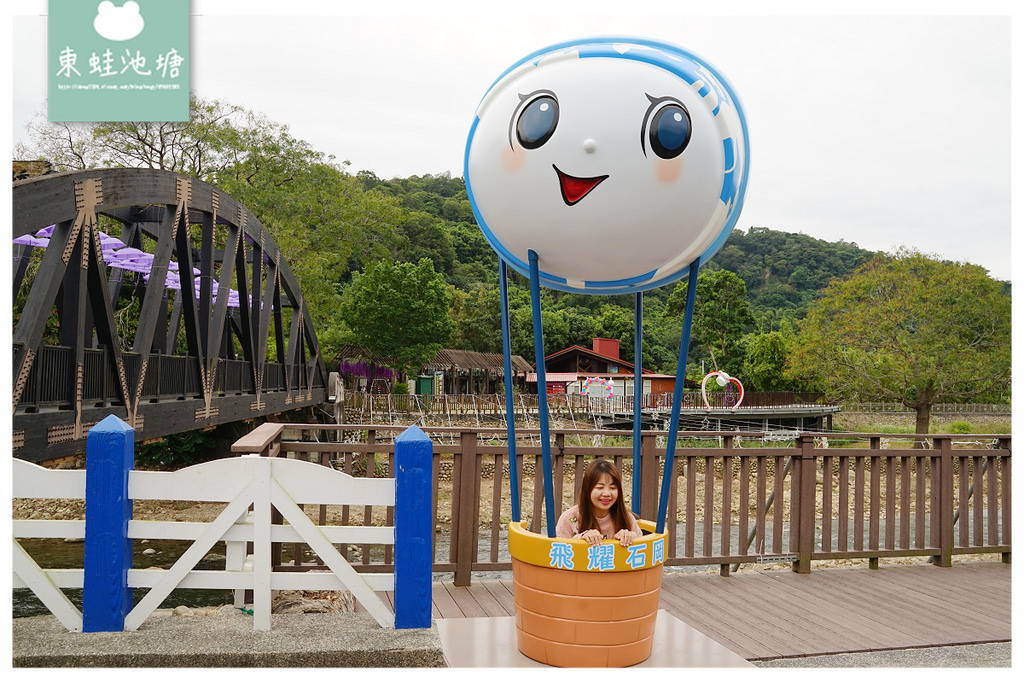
(568, 524)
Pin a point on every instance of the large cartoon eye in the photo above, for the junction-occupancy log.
(667, 127)
(537, 119)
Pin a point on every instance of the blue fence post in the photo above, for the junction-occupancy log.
(110, 456)
(413, 515)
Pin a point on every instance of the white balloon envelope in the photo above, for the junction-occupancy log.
(619, 161)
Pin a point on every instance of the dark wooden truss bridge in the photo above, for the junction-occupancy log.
(92, 339)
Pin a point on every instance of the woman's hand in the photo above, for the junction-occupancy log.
(626, 537)
(591, 536)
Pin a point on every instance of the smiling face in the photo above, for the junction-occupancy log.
(617, 171)
(603, 495)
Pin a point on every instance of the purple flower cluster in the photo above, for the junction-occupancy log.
(365, 369)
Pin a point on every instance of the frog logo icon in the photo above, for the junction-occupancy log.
(118, 23)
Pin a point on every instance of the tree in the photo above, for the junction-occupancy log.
(208, 141)
(661, 336)
(765, 365)
(616, 322)
(477, 316)
(398, 310)
(765, 362)
(421, 235)
(325, 224)
(555, 328)
(721, 316)
(581, 326)
(910, 329)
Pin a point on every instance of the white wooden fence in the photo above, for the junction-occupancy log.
(243, 483)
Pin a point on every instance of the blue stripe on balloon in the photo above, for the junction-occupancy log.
(729, 179)
(624, 281)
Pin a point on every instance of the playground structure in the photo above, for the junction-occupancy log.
(574, 108)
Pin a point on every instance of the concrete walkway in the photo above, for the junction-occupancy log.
(295, 640)
(985, 655)
(491, 642)
(355, 640)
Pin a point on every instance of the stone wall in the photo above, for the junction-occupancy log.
(31, 169)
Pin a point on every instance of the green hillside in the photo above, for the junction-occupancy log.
(782, 273)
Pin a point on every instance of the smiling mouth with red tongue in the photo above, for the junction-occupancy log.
(574, 189)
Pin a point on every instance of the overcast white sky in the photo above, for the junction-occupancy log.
(885, 128)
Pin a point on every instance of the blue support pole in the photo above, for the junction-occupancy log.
(510, 414)
(677, 397)
(413, 515)
(638, 390)
(110, 456)
(542, 394)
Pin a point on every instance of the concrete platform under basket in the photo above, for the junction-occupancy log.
(295, 640)
(491, 642)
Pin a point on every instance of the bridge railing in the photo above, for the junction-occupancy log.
(735, 498)
(52, 383)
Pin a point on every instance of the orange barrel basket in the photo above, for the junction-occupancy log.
(578, 605)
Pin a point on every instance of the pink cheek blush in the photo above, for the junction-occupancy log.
(512, 159)
(667, 171)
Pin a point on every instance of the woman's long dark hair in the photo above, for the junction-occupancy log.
(620, 515)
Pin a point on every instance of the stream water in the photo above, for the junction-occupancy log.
(58, 554)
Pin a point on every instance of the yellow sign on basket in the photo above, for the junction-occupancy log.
(578, 555)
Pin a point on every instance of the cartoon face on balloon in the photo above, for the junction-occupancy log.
(618, 161)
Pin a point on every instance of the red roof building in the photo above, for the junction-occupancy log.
(565, 370)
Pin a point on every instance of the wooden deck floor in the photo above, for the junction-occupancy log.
(771, 615)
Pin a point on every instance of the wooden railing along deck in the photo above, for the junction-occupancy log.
(383, 405)
(735, 498)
